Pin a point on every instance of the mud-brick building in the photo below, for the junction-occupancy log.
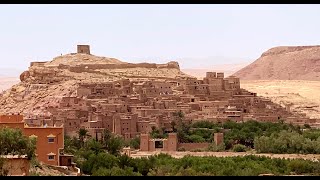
(50, 140)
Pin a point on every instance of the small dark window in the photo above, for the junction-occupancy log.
(50, 140)
(51, 157)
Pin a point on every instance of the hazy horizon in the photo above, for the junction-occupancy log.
(154, 33)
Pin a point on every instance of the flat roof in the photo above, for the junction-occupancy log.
(14, 156)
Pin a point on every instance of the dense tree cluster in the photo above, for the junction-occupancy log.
(105, 164)
(13, 142)
(265, 137)
(103, 158)
(289, 142)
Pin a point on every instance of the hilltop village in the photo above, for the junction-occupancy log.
(133, 105)
(83, 91)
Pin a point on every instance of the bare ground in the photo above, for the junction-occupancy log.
(313, 157)
(304, 95)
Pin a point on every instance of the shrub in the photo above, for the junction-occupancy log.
(196, 138)
(197, 150)
(214, 148)
(239, 148)
(181, 149)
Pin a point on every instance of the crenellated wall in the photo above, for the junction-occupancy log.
(88, 67)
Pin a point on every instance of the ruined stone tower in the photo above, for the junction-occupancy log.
(85, 49)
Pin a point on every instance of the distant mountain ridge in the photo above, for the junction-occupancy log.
(228, 69)
(284, 63)
(214, 62)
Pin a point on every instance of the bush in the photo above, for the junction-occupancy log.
(115, 171)
(214, 148)
(288, 142)
(300, 167)
(197, 150)
(196, 138)
(135, 142)
(239, 148)
(12, 141)
(181, 149)
(307, 126)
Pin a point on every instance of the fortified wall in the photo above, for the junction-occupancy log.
(86, 67)
(172, 144)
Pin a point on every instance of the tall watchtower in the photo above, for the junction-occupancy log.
(85, 49)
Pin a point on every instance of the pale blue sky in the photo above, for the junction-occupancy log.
(158, 33)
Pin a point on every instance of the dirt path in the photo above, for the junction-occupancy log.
(313, 157)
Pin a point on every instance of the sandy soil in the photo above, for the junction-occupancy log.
(304, 95)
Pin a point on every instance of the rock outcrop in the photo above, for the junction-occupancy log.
(45, 83)
(284, 63)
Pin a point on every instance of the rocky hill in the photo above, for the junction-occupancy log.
(45, 83)
(284, 63)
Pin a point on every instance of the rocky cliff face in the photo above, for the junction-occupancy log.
(285, 63)
(45, 83)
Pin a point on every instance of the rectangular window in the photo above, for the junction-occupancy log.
(51, 157)
(50, 140)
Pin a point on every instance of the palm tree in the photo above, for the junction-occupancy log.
(173, 124)
(106, 135)
(179, 117)
(124, 160)
(83, 133)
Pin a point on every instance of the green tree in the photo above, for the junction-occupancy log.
(307, 126)
(114, 145)
(106, 135)
(94, 146)
(179, 117)
(173, 126)
(13, 142)
(196, 138)
(95, 161)
(124, 161)
(83, 134)
(71, 145)
(135, 142)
